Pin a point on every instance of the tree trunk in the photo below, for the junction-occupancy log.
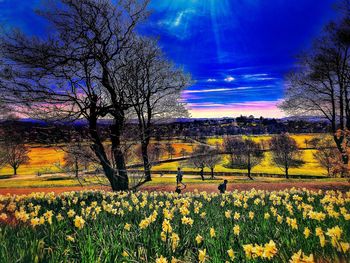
(249, 173)
(14, 170)
(249, 168)
(339, 142)
(106, 166)
(202, 174)
(286, 170)
(122, 175)
(146, 163)
(212, 172)
(98, 149)
(76, 168)
(328, 171)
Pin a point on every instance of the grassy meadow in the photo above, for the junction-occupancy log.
(42, 159)
(311, 166)
(299, 138)
(49, 159)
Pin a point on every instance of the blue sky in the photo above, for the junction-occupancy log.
(237, 51)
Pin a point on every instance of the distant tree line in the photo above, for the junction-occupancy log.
(64, 132)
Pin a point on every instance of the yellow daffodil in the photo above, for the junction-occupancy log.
(199, 239)
(212, 232)
(236, 230)
(79, 222)
(307, 232)
(161, 259)
(231, 254)
(202, 255)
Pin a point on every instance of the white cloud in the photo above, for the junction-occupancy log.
(178, 19)
(255, 75)
(243, 88)
(229, 79)
(205, 105)
(211, 80)
(208, 90)
(265, 78)
(258, 77)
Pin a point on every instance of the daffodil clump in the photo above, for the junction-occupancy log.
(296, 226)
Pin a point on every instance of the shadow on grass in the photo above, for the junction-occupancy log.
(7, 176)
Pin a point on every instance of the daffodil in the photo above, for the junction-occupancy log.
(71, 213)
(34, 222)
(127, 227)
(236, 230)
(161, 259)
(270, 250)
(248, 250)
(70, 238)
(212, 232)
(202, 255)
(199, 239)
(344, 247)
(231, 254)
(79, 222)
(307, 232)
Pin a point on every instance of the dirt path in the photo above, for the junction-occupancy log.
(341, 186)
(56, 190)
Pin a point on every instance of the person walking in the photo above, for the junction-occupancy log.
(222, 187)
(179, 177)
(178, 189)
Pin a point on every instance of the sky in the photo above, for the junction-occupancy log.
(237, 51)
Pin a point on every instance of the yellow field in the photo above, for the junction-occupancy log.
(310, 167)
(300, 138)
(48, 159)
(42, 159)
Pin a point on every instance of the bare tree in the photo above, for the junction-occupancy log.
(285, 152)
(314, 142)
(327, 155)
(157, 151)
(183, 152)
(14, 151)
(154, 87)
(154, 153)
(229, 145)
(198, 158)
(2, 156)
(169, 148)
(245, 154)
(78, 156)
(212, 159)
(73, 72)
(320, 84)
